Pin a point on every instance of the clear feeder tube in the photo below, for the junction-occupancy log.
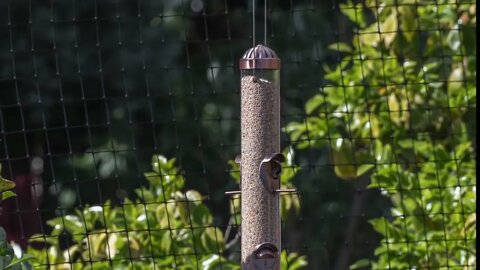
(260, 137)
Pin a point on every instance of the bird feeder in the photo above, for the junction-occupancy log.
(260, 158)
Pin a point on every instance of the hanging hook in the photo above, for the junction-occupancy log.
(265, 24)
(253, 23)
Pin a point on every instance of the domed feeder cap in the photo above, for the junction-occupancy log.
(260, 57)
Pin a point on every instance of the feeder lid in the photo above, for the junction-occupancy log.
(260, 57)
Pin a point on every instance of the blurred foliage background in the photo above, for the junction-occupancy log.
(378, 110)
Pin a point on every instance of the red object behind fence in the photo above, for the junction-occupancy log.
(19, 216)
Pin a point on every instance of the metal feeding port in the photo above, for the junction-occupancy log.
(270, 170)
(265, 256)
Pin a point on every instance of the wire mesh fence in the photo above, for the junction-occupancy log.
(120, 121)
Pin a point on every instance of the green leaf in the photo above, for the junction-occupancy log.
(408, 22)
(292, 261)
(389, 28)
(343, 159)
(4, 183)
(212, 240)
(193, 196)
(289, 169)
(7, 194)
(340, 47)
(166, 242)
(456, 82)
(364, 168)
(211, 262)
(201, 216)
(354, 13)
(314, 103)
(234, 170)
(453, 39)
(379, 225)
(346, 172)
(18, 262)
(361, 263)
(462, 150)
(394, 108)
(369, 38)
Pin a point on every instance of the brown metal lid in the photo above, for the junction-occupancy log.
(260, 57)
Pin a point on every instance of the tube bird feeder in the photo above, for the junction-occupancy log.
(260, 159)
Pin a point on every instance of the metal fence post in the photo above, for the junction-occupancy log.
(260, 158)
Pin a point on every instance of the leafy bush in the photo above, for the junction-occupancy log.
(166, 228)
(402, 102)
